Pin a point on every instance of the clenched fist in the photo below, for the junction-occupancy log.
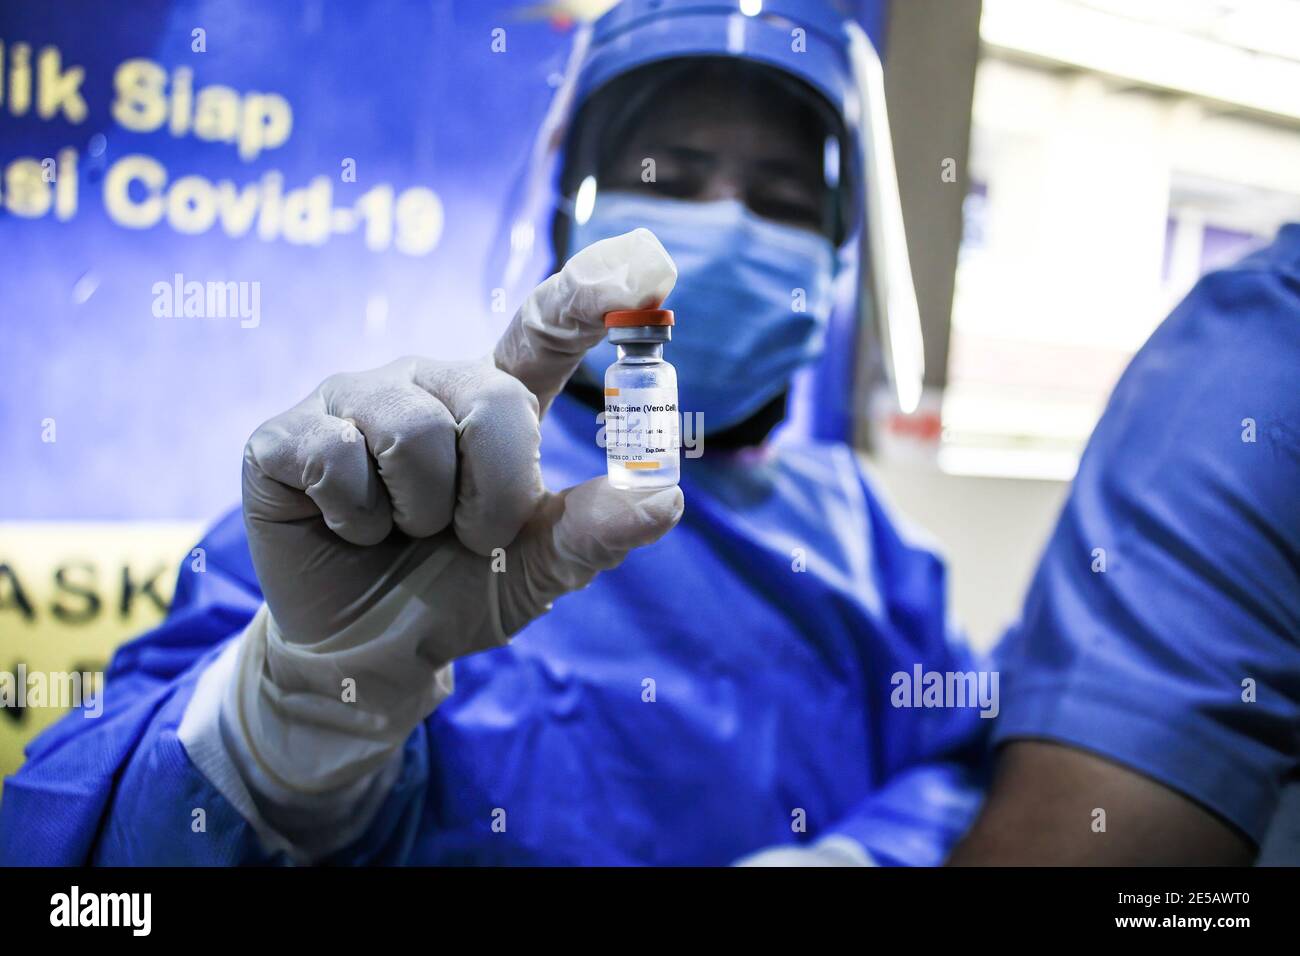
(397, 520)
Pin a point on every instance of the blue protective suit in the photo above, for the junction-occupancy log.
(1163, 627)
(766, 629)
(771, 696)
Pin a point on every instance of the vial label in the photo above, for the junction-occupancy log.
(642, 433)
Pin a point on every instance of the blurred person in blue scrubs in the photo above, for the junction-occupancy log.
(1151, 690)
(370, 670)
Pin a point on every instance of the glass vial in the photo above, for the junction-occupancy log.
(642, 426)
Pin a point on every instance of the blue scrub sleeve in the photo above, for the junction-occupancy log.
(918, 816)
(1162, 629)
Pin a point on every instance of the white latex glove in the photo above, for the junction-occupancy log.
(828, 851)
(375, 544)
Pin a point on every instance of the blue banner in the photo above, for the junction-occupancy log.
(207, 206)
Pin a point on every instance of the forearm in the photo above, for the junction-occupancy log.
(307, 771)
(1052, 805)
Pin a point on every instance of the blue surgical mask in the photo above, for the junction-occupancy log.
(753, 299)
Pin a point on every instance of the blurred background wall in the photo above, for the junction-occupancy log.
(1118, 150)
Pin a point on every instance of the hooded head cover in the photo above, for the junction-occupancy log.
(805, 40)
(809, 40)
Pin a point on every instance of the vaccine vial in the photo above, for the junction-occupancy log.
(642, 427)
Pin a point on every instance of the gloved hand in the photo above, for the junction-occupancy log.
(397, 521)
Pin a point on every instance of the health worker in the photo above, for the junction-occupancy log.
(380, 663)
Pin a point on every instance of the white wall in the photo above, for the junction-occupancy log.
(991, 530)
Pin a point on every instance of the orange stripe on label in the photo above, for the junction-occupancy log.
(641, 465)
(610, 392)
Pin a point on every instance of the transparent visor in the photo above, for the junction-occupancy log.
(706, 128)
(711, 128)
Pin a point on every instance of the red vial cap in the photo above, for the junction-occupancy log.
(631, 318)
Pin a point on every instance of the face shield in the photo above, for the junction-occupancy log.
(705, 128)
(654, 100)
